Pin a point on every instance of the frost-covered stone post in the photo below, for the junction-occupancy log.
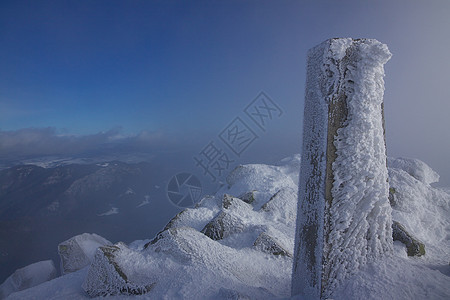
(344, 216)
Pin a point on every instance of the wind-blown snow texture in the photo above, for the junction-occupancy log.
(424, 211)
(186, 264)
(339, 233)
(360, 215)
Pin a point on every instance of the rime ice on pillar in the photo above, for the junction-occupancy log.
(344, 216)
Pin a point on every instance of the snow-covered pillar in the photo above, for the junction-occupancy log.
(344, 216)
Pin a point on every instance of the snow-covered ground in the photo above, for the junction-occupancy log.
(112, 211)
(238, 244)
(145, 201)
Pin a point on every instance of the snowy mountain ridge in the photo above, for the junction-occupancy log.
(238, 244)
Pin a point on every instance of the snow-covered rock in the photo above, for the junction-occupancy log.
(283, 205)
(420, 208)
(229, 221)
(222, 226)
(414, 247)
(268, 244)
(416, 168)
(78, 251)
(183, 263)
(27, 277)
(106, 276)
(229, 241)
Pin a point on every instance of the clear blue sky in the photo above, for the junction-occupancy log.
(185, 69)
(91, 65)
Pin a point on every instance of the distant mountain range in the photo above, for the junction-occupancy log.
(41, 207)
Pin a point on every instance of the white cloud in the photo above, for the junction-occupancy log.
(46, 141)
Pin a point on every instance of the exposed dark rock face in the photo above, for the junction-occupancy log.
(392, 197)
(248, 197)
(414, 247)
(216, 229)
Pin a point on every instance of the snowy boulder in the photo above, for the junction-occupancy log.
(181, 243)
(222, 226)
(78, 251)
(268, 244)
(282, 205)
(420, 208)
(119, 270)
(416, 168)
(232, 203)
(414, 247)
(183, 263)
(212, 269)
(195, 218)
(270, 204)
(229, 220)
(28, 277)
(107, 277)
(263, 180)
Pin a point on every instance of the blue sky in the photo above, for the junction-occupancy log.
(138, 65)
(179, 70)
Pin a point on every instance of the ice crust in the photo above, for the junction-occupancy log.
(352, 226)
(360, 215)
